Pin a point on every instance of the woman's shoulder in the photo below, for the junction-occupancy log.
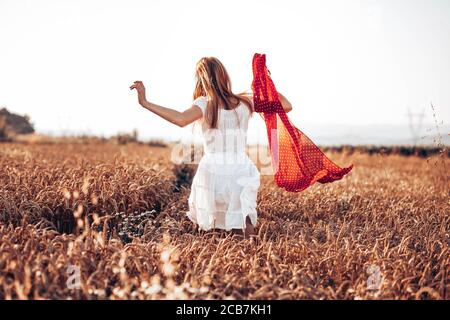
(247, 96)
(200, 99)
(201, 102)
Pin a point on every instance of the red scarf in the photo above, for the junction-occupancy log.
(297, 161)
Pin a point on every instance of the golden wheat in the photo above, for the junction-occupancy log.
(117, 212)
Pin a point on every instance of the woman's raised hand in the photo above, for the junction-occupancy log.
(140, 88)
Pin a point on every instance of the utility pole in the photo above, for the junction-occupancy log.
(415, 124)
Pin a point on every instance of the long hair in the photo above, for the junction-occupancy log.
(213, 81)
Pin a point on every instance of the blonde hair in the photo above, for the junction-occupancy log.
(212, 80)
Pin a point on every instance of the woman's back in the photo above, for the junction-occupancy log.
(230, 136)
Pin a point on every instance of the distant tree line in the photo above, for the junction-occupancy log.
(420, 151)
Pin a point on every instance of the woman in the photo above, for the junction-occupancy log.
(225, 186)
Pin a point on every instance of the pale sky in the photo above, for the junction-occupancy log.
(68, 64)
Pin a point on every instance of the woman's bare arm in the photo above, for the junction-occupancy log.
(287, 106)
(181, 119)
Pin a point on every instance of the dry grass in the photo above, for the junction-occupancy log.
(60, 205)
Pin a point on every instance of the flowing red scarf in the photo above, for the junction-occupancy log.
(297, 161)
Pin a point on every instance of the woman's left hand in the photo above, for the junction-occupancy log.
(140, 88)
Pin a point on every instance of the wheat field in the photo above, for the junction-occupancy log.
(116, 215)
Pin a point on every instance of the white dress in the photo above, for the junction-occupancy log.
(225, 186)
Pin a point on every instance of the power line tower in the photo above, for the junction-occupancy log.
(415, 124)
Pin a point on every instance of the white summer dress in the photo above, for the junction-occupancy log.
(225, 186)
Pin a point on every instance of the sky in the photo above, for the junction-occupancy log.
(69, 64)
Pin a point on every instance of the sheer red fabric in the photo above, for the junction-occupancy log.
(297, 161)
